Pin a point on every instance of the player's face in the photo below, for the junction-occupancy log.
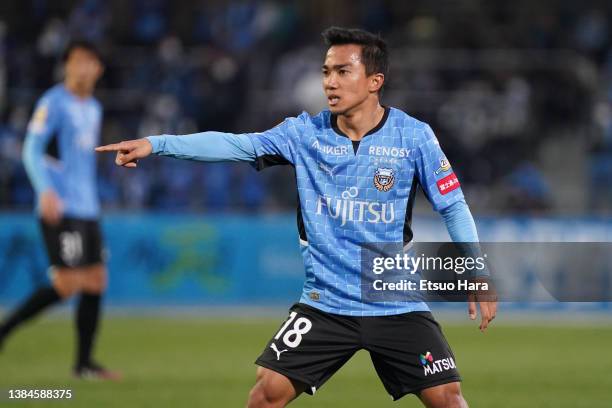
(345, 82)
(83, 68)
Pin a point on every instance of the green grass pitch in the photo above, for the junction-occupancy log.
(208, 362)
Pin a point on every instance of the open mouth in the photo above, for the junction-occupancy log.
(333, 99)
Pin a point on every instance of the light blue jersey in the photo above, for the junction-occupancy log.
(347, 197)
(58, 152)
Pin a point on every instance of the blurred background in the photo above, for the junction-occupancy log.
(519, 94)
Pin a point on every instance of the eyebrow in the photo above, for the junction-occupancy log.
(337, 66)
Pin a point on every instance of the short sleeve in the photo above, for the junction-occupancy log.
(276, 146)
(436, 176)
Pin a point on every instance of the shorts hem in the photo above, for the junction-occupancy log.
(423, 386)
(79, 266)
(290, 375)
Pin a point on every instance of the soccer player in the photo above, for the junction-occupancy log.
(357, 165)
(60, 162)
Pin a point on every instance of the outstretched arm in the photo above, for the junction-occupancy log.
(274, 144)
(205, 146)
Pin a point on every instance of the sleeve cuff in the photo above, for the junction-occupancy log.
(157, 143)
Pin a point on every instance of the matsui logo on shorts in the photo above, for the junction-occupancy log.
(384, 179)
(431, 366)
(448, 184)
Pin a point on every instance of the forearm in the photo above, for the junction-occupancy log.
(205, 146)
(462, 230)
(459, 222)
(32, 157)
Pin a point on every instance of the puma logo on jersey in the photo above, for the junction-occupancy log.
(327, 169)
(278, 353)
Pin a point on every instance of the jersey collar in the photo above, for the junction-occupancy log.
(334, 124)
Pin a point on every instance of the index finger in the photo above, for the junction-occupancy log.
(113, 147)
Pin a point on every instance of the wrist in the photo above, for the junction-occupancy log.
(157, 143)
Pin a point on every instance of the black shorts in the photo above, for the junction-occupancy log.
(73, 242)
(408, 350)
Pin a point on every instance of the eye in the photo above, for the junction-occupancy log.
(343, 71)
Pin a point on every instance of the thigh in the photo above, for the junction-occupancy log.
(409, 352)
(273, 387)
(441, 396)
(73, 243)
(311, 345)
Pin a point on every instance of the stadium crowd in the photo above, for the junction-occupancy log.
(519, 93)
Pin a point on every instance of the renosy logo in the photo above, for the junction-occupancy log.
(431, 366)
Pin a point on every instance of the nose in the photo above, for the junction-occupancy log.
(330, 81)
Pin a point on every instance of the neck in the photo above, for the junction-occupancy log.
(77, 89)
(357, 123)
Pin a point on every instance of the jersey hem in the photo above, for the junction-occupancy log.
(419, 307)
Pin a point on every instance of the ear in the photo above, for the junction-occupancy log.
(376, 82)
(101, 70)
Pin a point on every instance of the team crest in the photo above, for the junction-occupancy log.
(384, 179)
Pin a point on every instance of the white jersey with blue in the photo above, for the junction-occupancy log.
(349, 194)
(59, 154)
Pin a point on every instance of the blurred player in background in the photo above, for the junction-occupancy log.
(358, 165)
(59, 159)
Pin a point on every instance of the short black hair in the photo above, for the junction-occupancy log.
(83, 44)
(374, 53)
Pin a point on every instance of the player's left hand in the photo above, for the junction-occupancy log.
(487, 301)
